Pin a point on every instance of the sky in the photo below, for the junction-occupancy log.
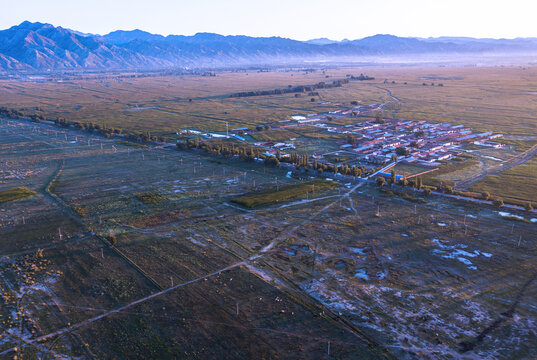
(296, 19)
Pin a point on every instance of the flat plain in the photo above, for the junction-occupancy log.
(142, 251)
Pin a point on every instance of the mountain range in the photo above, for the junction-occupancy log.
(44, 47)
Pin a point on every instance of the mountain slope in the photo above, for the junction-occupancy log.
(38, 46)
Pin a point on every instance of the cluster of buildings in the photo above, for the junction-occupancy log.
(315, 119)
(426, 143)
(377, 141)
(272, 148)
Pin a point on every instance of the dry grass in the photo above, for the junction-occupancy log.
(15, 194)
(284, 193)
(518, 183)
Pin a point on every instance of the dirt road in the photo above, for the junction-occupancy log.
(514, 161)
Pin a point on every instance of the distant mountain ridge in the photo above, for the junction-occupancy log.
(41, 47)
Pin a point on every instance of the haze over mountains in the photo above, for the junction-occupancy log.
(43, 47)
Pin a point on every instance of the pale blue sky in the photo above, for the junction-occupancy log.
(297, 19)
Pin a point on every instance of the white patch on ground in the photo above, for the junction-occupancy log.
(492, 158)
(196, 241)
(506, 214)
(332, 299)
(263, 274)
(298, 117)
(382, 275)
(359, 251)
(455, 252)
(361, 274)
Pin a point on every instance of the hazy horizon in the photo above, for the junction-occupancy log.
(299, 20)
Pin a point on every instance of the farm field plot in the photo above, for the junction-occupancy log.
(379, 269)
(518, 183)
(167, 262)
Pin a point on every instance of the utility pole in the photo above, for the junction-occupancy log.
(313, 262)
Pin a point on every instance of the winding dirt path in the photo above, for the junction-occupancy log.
(514, 161)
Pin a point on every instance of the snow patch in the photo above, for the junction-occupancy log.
(359, 251)
(361, 274)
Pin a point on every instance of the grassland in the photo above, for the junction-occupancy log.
(284, 193)
(408, 170)
(516, 184)
(163, 105)
(488, 99)
(449, 171)
(15, 194)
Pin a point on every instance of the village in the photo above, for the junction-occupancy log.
(372, 143)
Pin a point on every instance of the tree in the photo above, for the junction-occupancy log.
(427, 191)
(419, 183)
(498, 202)
(112, 240)
(272, 161)
(485, 195)
(402, 151)
(380, 181)
(414, 144)
(379, 119)
(449, 189)
(528, 206)
(393, 177)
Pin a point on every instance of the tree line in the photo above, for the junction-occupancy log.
(293, 89)
(248, 152)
